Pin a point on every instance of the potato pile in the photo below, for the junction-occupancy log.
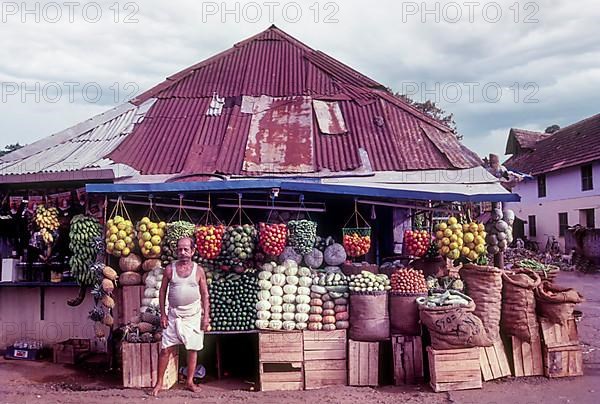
(408, 280)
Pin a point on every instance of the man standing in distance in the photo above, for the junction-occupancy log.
(188, 316)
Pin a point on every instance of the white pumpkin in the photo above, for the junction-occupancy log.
(264, 295)
(278, 279)
(301, 326)
(275, 324)
(276, 316)
(302, 299)
(289, 298)
(290, 308)
(276, 309)
(264, 284)
(290, 289)
(263, 305)
(279, 269)
(263, 315)
(301, 317)
(275, 301)
(305, 281)
(268, 266)
(302, 290)
(276, 291)
(262, 324)
(291, 270)
(264, 275)
(288, 316)
(303, 308)
(292, 280)
(289, 325)
(303, 271)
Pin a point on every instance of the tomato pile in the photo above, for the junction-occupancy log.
(272, 238)
(209, 240)
(408, 280)
(417, 242)
(356, 245)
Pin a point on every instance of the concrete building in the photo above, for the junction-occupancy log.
(562, 188)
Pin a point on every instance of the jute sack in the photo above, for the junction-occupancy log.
(484, 285)
(453, 327)
(518, 304)
(404, 313)
(369, 318)
(556, 303)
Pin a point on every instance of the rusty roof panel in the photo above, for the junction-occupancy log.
(280, 139)
(450, 147)
(329, 117)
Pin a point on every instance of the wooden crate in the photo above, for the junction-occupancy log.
(71, 350)
(494, 362)
(325, 358)
(280, 360)
(140, 365)
(563, 361)
(557, 335)
(454, 369)
(128, 302)
(527, 357)
(363, 363)
(408, 359)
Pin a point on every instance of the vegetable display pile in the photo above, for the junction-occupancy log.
(417, 242)
(284, 297)
(367, 282)
(150, 237)
(85, 234)
(144, 327)
(329, 302)
(232, 301)
(302, 235)
(272, 238)
(238, 243)
(538, 267)
(355, 244)
(499, 232)
(119, 236)
(447, 298)
(153, 282)
(209, 240)
(444, 283)
(408, 280)
(455, 240)
(104, 285)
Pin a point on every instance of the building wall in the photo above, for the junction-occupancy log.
(20, 315)
(563, 194)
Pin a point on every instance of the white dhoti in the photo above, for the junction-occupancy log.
(184, 327)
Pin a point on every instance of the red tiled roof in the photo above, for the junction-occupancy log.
(177, 136)
(576, 144)
(527, 138)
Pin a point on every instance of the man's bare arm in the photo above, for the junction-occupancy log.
(203, 285)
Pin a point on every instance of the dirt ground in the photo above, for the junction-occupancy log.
(36, 382)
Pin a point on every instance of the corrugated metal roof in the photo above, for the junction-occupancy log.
(83, 146)
(575, 144)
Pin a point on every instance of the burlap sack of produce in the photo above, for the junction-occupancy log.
(518, 304)
(484, 285)
(404, 313)
(369, 318)
(556, 303)
(453, 327)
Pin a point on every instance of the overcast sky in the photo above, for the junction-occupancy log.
(494, 64)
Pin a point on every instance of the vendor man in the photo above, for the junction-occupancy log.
(188, 315)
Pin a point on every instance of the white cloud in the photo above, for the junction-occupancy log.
(559, 54)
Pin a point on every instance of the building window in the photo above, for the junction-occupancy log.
(563, 223)
(587, 182)
(541, 179)
(587, 218)
(532, 227)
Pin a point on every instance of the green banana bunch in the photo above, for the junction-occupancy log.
(85, 233)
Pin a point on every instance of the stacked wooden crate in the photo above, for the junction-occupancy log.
(408, 359)
(494, 361)
(140, 365)
(363, 363)
(280, 360)
(325, 356)
(454, 369)
(561, 349)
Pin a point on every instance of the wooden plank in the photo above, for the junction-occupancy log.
(486, 368)
(282, 386)
(325, 335)
(324, 345)
(517, 357)
(454, 376)
(325, 355)
(323, 378)
(418, 357)
(281, 348)
(373, 363)
(397, 352)
(294, 376)
(527, 358)
(353, 363)
(408, 362)
(448, 366)
(363, 364)
(493, 361)
(454, 357)
(125, 364)
(281, 357)
(502, 359)
(537, 358)
(145, 368)
(472, 353)
(325, 365)
(266, 339)
(441, 387)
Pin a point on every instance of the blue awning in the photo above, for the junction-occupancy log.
(382, 190)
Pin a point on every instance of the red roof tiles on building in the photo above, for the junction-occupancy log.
(177, 137)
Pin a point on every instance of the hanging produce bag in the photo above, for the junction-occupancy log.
(180, 225)
(484, 285)
(119, 231)
(239, 240)
(556, 303)
(272, 238)
(209, 234)
(151, 233)
(302, 235)
(356, 240)
(518, 304)
(452, 326)
(369, 317)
